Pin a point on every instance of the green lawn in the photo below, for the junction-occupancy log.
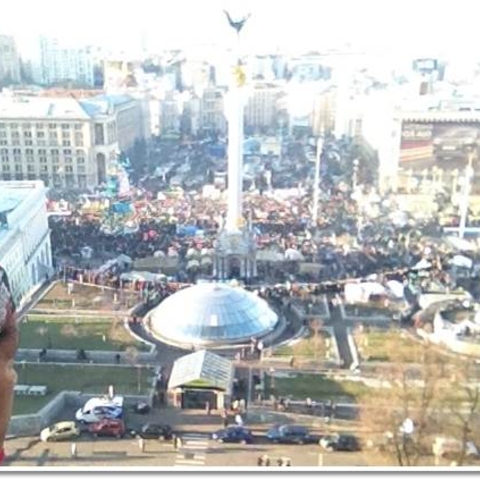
(317, 387)
(72, 334)
(309, 348)
(387, 345)
(86, 379)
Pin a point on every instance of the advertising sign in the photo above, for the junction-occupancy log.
(444, 145)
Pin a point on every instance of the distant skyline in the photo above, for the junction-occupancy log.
(426, 27)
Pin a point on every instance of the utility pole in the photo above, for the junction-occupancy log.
(316, 188)
(466, 194)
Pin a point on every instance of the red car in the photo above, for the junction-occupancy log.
(107, 428)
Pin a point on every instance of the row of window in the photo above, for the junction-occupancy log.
(41, 151)
(41, 143)
(43, 169)
(40, 126)
(51, 135)
(54, 160)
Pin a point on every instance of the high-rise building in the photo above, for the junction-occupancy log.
(261, 108)
(61, 64)
(9, 61)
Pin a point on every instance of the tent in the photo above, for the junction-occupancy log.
(462, 262)
(361, 292)
(293, 255)
(461, 244)
(396, 288)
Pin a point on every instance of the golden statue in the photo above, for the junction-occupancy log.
(239, 74)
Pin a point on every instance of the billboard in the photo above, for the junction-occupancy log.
(444, 145)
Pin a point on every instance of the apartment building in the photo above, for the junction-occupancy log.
(63, 142)
(59, 63)
(9, 61)
(261, 107)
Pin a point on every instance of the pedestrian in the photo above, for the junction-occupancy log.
(239, 420)
(279, 462)
(224, 416)
(260, 462)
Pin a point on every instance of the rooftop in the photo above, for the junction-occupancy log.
(202, 369)
(20, 107)
(12, 194)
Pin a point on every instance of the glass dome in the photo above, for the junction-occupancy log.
(212, 314)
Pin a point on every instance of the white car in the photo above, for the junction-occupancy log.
(97, 409)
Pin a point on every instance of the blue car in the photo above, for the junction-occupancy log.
(233, 435)
(291, 434)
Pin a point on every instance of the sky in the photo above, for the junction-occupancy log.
(425, 26)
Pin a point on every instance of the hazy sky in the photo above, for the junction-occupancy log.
(433, 25)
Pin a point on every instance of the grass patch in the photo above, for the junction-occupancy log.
(317, 387)
(360, 310)
(73, 334)
(86, 297)
(387, 346)
(309, 348)
(86, 379)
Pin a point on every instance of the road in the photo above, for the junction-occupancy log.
(197, 451)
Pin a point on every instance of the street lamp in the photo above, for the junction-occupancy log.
(469, 172)
(316, 188)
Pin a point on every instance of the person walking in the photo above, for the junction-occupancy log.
(224, 416)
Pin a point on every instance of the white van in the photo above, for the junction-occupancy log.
(99, 408)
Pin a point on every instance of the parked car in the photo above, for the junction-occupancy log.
(340, 443)
(60, 431)
(97, 409)
(107, 428)
(449, 447)
(291, 434)
(141, 407)
(154, 431)
(233, 435)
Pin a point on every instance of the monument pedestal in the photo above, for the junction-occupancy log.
(235, 255)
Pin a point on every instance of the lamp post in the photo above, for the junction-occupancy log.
(316, 188)
(466, 193)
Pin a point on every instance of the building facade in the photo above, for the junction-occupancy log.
(59, 64)
(64, 142)
(9, 61)
(212, 110)
(261, 108)
(25, 250)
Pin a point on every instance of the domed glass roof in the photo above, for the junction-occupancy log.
(208, 314)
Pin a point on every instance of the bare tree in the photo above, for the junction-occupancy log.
(132, 355)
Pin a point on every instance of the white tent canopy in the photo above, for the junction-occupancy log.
(142, 276)
(293, 255)
(396, 288)
(361, 292)
(461, 244)
(461, 261)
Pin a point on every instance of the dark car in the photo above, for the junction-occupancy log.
(141, 408)
(154, 431)
(291, 434)
(233, 435)
(340, 443)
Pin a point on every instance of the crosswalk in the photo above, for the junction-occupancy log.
(193, 451)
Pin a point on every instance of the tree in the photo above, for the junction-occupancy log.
(132, 355)
(316, 327)
(438, 396)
